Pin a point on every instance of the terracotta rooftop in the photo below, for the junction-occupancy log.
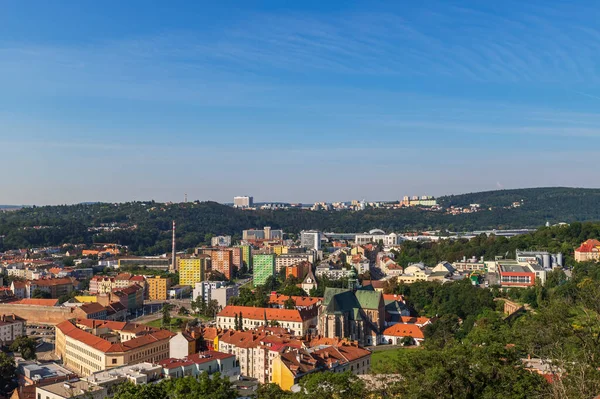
(404, 330)
(251, 313)
(69, 329)
(51, 282)
(303, 301)
(589, 245)
(197, 358)
(37, 302)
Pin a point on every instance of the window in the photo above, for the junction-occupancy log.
(114, 361)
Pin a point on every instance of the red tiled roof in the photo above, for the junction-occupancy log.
(393, 297)
(588, 245)
(93, 307)
(299, 300)
(252, 313)
(414, 320)
(404, 330)
(37, 302)
(87, 338)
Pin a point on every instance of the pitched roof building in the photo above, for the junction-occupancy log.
(87, 346)
(356, 315)
(588, 250)
(298, 322)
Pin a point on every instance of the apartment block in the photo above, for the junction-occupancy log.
(193, 269)
(158, 288)
(263, 268)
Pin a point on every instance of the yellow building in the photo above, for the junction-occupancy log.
(279, 249)
(158, 287)
(87, 346)
(86, 298)
(192, 269)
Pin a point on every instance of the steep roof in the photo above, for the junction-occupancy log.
(298, 300)
(368, 299)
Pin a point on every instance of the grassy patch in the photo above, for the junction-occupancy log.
(385, 361)
(176, 324)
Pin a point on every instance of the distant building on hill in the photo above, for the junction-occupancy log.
(589, 250)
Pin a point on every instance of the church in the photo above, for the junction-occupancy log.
(354, 314)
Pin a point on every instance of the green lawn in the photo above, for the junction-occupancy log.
(175, 324)
(384, 361)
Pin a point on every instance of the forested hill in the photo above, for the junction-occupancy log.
(145, 226)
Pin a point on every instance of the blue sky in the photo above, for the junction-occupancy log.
(295, 101)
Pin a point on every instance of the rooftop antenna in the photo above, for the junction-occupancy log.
(185, 197)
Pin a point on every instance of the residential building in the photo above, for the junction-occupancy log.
(223, 294)
(285, 260)
(192, 269)
(221, 261)
(292, 364)
(131, 297)
(11, 327)
(158, 287)
(300, 302)
(297, 322)
(88, 346)
(56, 287)
(263, 268)
(356, 315)
(265, 234)
(149, 262)
(220, 241)
(246, 255)
(311, 239)
(185, 343)
(137, 374)
(18, 289)
(376, 236)
(179, 291)
(71, 390)
(334, 272)
(101, 285)
(298, 270)
(32, 372)
(243, 202)
(589, 250)
(237, 257)
(204, 289)
(205, 362)
(469, 265)
(91, 311)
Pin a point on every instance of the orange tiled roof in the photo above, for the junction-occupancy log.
(299, 300)
(404, 330)
(414, 320)
(252, 313)
(51, 282)
(393, 297)
(87, 338)
(588, 245)
(37, 302)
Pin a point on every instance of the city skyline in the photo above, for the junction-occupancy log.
(297, 103)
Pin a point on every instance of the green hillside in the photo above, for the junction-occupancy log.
(145, 226)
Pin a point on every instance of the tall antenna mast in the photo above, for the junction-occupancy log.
(185, 197)
(173, 264)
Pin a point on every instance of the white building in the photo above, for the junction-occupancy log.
(221, 241)
(284, 260)
(71, 390)
(11, 327)
(375, 236)
(332, 272)
(243, 202)
(204, 289)
(311, 239)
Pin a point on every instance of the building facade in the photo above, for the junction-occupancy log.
(263, 268)
(158, 288)
(192, 269)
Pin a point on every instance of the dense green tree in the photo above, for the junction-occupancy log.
(8, 374)
(289, 303)
(326, 385)
(25, 346)
(39, 294)
(166, 315)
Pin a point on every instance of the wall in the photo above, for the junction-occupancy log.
(38, 314)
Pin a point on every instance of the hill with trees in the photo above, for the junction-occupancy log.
(145, 226)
